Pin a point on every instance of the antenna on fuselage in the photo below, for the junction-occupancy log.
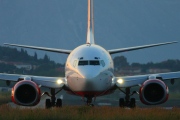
(90, 25)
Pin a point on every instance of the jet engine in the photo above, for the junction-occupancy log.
(26, 93)
(153, 92)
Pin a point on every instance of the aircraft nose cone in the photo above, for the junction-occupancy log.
(89, 73)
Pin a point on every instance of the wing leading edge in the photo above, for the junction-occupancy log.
(113, 51)
(50, 82)
(130, 81)
(41, 48)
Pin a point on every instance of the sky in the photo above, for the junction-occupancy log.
(118, 24)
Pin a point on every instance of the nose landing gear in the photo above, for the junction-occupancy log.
(89, 101)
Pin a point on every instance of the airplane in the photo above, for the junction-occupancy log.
(89, 73)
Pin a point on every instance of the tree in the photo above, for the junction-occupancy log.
(46, 58)
(35, 56)
(136, 65)
(120, 62)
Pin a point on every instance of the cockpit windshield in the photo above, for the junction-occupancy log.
(91, 62)
(83, 62)
(94, 62)
(88, 62)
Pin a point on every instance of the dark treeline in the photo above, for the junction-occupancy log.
(120, 62)
(46, 67)
(12, 54)
(43, 66)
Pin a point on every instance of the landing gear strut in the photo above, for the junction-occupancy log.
(53, 102)
(127, 101)
(89, 101)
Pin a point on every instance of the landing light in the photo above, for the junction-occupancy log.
(59, 81)
(120, 81)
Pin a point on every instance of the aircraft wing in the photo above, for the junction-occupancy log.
(50, 82)
(138, 47)
(41, 48)
(130, 81)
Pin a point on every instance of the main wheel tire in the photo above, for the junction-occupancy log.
(121, 102)
(59, 103)
(133, 103)
(48, 103)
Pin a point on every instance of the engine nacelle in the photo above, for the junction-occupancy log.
(26, 93)
(153, 92)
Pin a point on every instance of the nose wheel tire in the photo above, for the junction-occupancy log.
(89, 102)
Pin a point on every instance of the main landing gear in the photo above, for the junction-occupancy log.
(53, 102)
(127, 101)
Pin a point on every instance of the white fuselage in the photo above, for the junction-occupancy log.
(89, 71)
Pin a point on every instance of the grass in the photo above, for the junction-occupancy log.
(83, 112)
(5, 97)
(88, 113)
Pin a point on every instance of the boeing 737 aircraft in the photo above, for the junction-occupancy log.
(89, 73)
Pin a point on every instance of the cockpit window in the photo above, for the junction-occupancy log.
(75, 63)
(83, 62)
(102, 63)
(94, 62)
